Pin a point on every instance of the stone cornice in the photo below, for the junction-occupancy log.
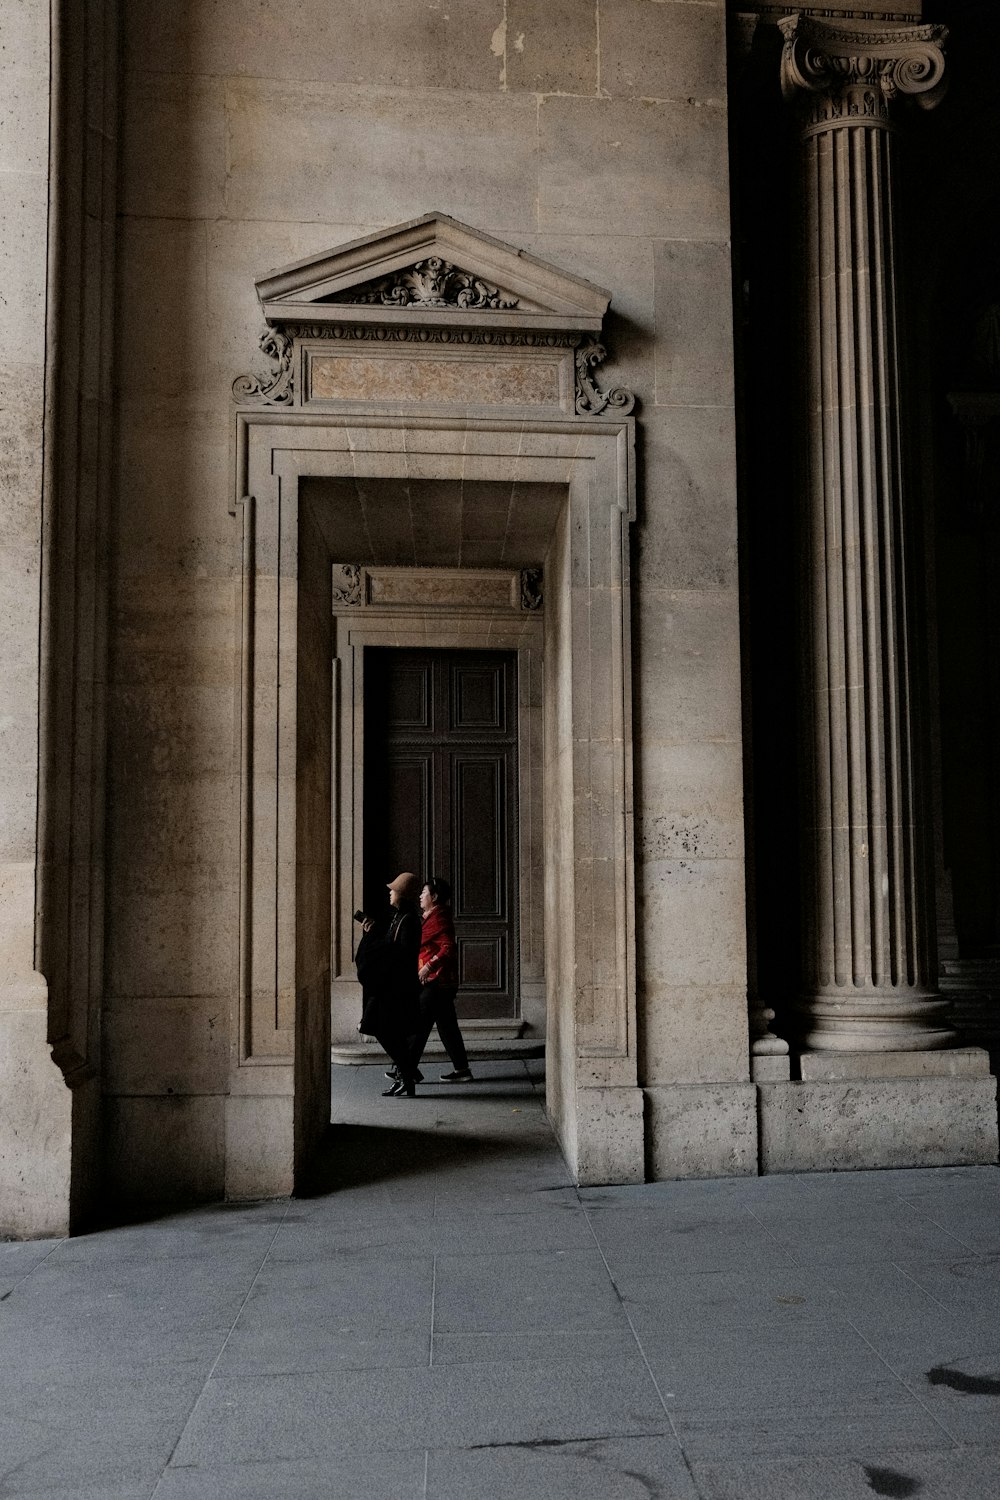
(849, 73)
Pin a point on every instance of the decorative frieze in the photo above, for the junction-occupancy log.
(503, 590)
(502, 380)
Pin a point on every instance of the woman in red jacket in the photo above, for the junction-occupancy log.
(437, 971)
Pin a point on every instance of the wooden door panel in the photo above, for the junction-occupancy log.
(398, 804)
(481, 964)
(479, 858)
(408, 697)
(478, 698)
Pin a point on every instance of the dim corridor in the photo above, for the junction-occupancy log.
(449, 1318)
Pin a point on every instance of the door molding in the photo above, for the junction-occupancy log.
(280, 1084)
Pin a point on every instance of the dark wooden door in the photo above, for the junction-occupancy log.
(441, 799)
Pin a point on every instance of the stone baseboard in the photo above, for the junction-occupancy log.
(701, 1130)
(865, 1123)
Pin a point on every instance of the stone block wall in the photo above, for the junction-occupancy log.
(593, 134)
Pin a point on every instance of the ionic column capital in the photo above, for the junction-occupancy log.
(849, 73)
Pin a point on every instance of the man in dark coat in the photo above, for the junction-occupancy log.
(387, 970)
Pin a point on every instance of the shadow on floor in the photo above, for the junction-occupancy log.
(355, 1155)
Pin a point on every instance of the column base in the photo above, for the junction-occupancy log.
(851, 1020)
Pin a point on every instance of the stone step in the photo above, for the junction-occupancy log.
(479, 1048)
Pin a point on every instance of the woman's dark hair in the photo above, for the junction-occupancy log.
(440, 889)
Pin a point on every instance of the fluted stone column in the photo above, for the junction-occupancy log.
(869, 980)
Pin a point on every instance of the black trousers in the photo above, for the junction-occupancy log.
(392, 1023)
(436, 1007)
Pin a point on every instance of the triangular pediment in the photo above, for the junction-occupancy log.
(433, 269)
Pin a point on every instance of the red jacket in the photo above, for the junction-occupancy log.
(438, 950)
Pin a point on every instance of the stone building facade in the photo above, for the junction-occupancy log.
(654, 342)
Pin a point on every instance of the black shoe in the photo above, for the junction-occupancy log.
(394, 1089)
(403, 1090)
(392, 1073)
(460, 1075)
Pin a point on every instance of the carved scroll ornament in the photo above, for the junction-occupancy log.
(347, 587)
(430, 283)
(590, 401)
(531, 588)
(275, 389)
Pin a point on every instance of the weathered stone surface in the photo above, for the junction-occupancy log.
(258, 1143)
(864, 1123)
(174, 163)
(608, 1136)
(687, 690)
(615, 163)
(659, 49)
(695, 1033)
(398, 42)
(694, 322)
(169, 1045)
(551, 46)
(35, 1121)
(460, 380)
(701, 1130)
(164, 1149)
(270, 176)
(685, 534)
(693, 923)
(833, 1067)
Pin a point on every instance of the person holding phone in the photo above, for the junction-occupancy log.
(387, 969)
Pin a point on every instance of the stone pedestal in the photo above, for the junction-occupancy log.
(869, 982)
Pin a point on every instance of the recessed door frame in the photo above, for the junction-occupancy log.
(278, 1107)
(433, 627)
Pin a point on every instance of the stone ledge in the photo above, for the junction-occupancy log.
(865, 1124)
(834, 1067)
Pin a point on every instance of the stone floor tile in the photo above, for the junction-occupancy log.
(952, 1474)
(776, 1297)
(549, 1347)
(288, 1349)
(245, 1230)
(668, 1243)
(99, 1432)
(18, 1258)
(858, 1234)
(604, 1469)
(559, 1290)
(308, 1416)
(390, 1476)
(847, 1424)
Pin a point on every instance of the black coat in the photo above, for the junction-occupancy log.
(387, 961)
